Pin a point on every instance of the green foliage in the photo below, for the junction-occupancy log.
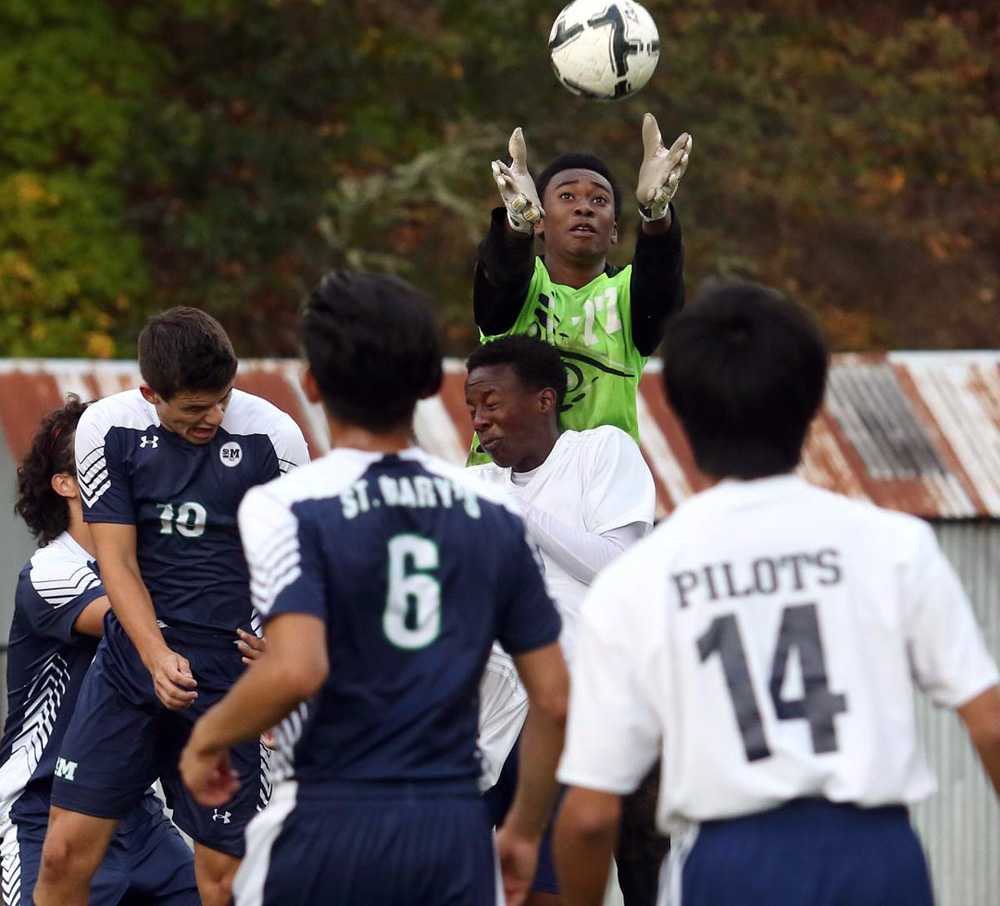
(225, 153)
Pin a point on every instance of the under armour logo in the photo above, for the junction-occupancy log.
(149, 441)
(221, 816)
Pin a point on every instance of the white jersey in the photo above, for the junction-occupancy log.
(593, 481)
(766, 641)
(503, 707)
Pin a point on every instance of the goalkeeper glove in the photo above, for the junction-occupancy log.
(517, 188)
(661, 170)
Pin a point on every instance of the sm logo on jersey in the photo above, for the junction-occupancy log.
(230, 454)
(65, 769)
(224, 817)
(145, 441)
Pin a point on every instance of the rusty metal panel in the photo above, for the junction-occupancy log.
(918, 432)
(960, 826)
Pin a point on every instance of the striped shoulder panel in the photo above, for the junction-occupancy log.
(58, 577)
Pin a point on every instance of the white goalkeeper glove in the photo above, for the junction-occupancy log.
(661, 170)
(517, 188)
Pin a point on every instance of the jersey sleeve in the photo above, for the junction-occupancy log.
(618, 487)
(528, 617)
(656, 284)
(612, 733)
(504, 267)
(100, 470)
(289, 445)
(285, 573)
(53, 595)
(948, 656)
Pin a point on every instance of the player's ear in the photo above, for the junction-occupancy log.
(614, 233)
(547, 400)
(65, 485)
(539, 229)
(309, 386)
(149, 394)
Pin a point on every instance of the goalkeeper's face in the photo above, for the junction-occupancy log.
(579, 217)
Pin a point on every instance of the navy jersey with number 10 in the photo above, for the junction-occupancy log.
(182, 498)
(415, 569)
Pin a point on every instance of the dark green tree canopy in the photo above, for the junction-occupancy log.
(224, 154)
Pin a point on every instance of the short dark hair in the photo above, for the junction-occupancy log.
(185, 349)
(537, 365)
(579, 161)
(44, 511)
(371, 344)
(745, 370)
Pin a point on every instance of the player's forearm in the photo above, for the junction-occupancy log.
(263, 697)
(657, 283)
(582, 554)
(582, 852)
(502, 276)
(540, 747)
(981, 716)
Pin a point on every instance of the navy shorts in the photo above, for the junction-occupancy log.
(120, 739)
(388, 844)
(807, 851)
(147, 861)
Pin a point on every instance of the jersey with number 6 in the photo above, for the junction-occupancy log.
(767, 640)
(182, 498)
(415, 569)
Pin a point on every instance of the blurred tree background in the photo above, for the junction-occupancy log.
(224, 154)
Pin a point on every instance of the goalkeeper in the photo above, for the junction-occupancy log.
(604, 320)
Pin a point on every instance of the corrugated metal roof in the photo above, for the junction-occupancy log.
(918, 432)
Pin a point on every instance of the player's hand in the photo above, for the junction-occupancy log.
(172, 679)
(517, 188)
(208, 775)
(250, 646)
(661, 170)
(518, 862)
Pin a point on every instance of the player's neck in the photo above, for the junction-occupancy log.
(79, 531)
(573, 271)
(537, 455)
(355, 437)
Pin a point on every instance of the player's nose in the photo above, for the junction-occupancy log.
(215, 415)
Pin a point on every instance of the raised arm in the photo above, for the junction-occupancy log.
(506, 256)
(657, 284)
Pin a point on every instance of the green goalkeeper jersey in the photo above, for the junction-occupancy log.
(592, 329)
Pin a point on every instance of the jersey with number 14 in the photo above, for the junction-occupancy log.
(182, 498)
(414, 568)
(592, 329)
(767, 641)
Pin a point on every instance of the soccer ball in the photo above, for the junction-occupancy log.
(604, 50)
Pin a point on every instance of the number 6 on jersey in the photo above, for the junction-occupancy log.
(412, 617)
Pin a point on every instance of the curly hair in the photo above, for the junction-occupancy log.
(44, 511)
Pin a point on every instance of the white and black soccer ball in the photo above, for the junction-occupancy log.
(604, 50)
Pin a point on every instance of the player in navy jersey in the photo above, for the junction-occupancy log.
(162, 470)
(384, 575)
(59, 610)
